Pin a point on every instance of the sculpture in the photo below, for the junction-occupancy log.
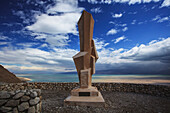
(85, 64)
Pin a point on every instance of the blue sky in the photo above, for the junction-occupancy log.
(131, 36)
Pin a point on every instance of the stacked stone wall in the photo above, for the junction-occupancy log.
(20, 101)
(156, 90)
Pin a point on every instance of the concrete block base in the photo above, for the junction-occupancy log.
(85, 97)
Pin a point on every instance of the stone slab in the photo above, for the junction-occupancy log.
(96, 101)
(92, 90)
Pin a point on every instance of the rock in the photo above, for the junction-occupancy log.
(12, 103)
(5, 109)
(4, 95)
(33, 94)
(37, 108)
(38, 91)
(25, 98)
(2, 102)
(18, 95)
(23, 106)
(12, 93)
(34, 101)
(17, 91)
(27, 93)
(23, 91)
(31, 109)
(15, 110)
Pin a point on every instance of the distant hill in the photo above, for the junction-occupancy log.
(7, 77)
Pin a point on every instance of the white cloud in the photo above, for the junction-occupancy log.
(100, 44)
(96, 10)
(65, 7)
(163, 19)
(134, 2)
(117, 15)
(112, 32)
(52, 39)
(26, 45)
(165, 3)
(156, 18)
(3, 37)
(61, 24)
(54, 29)
(119, 39)
(133, 22)
(156, 51)
(44, 45)
(4, 43)
(160, 19)
(93, 1)
(116, 24)
(146, 1)
(36, 59)
(125, 29)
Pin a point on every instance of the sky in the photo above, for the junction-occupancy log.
(41, 36)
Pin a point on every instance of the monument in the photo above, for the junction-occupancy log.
(86, 94)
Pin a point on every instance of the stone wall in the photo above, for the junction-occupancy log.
(25, 101)
(156, 90)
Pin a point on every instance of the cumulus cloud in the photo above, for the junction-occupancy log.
(125, 29)
(96, 10)
(112, 32)
(54, 40)
(135, 60)
(65, 7)
(117, 15)
(138, 60)
(155, 50)
(135, 1)
(119, 39)
(60, 24)
(26, 45)
(100, 44)
(36, 59)
(165, 3)
(54, 27)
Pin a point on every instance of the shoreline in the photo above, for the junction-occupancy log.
(24, 79)
(113, 80)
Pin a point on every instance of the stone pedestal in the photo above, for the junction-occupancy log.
(85, 97)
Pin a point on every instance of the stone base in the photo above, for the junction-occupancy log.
(85, 97)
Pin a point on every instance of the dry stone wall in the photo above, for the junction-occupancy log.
(156, 90)
(25, 101)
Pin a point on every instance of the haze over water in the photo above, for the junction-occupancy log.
(144, 79)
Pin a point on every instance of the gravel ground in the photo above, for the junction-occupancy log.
(116, 102)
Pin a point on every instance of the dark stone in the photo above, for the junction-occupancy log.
(12, 103)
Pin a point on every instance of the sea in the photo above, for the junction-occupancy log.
(146, 79)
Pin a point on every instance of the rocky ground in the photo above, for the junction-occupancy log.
(116, 102)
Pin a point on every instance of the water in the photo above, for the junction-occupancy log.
(157, 79)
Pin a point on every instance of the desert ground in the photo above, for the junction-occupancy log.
(116, 102)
